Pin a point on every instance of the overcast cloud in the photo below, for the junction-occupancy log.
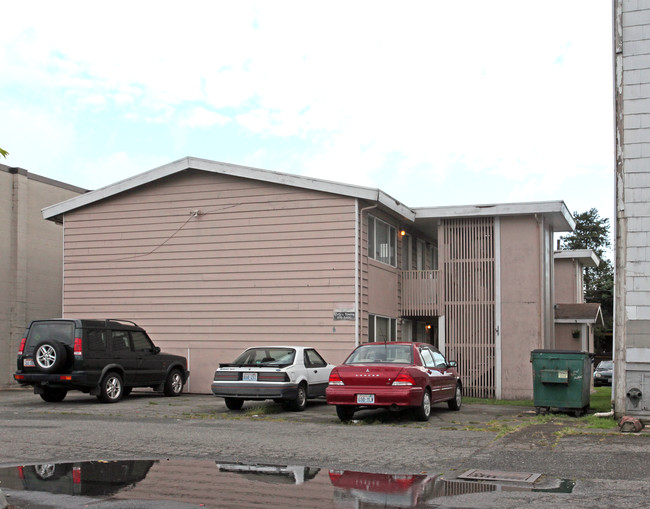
(436, 103)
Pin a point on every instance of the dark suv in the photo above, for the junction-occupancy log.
(105, 358)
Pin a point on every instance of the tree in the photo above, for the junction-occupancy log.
(592, 232)
(3, 153)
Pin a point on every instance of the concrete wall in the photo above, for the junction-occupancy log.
(564, 339)
(523, 302)
(632, 298)
(568, 281)
(31, 258)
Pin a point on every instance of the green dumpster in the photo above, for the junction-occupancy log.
(561, 379)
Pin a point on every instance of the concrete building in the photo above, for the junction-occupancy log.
(575, 319)
(211, 258)
(632, 283)
(31, 257)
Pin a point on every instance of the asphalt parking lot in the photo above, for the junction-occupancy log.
(145, 404)
(609, 468)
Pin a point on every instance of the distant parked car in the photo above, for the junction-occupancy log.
(603, 373)
(286, 374)
(106, 358)
(394, 375)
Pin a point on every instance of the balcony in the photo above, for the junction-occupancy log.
(421, 293)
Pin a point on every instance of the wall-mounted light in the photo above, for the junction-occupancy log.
(428, 326)
(402, 233)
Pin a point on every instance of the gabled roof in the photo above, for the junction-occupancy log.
(425, 219)
(588, 312)
(55, 212)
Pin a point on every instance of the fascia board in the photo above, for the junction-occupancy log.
(575, 320)
(585, 256)
(58, 209)
(364, 193)
(556, 211)
(326, 186)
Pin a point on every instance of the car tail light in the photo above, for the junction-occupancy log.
(21, 473)
(76, 475)
(404, 379)
(335, 475)
(77, 347)
(19, 377)
(22, 346)
(335, 378)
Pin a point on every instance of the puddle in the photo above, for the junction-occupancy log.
(193, 483)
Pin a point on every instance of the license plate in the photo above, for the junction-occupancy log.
(249, 377)
(28, 363)
(365, 399)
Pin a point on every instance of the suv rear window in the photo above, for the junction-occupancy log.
(57, 331)
(96, 340)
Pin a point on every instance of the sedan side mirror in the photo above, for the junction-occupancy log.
(452, 364)
(156, 349)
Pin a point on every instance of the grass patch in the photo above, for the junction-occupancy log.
(262, 410)
(601, 400)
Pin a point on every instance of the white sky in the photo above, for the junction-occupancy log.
(434, 102)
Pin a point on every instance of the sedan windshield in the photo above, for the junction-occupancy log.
(381, 352)
(267, 356)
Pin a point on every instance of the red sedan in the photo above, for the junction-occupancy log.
(394, 375)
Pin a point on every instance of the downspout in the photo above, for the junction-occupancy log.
(359, 276)
(63, 265)
(541, 281)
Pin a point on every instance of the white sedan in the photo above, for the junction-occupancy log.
(285, 374)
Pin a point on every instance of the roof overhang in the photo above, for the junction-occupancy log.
(587, 312)
(585, 256)
(56, 212)
(556, 212)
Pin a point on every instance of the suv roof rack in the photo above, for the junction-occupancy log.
(121, 320)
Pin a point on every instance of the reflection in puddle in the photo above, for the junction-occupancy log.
(210, 484)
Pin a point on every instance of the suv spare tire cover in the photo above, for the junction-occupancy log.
(50, 356)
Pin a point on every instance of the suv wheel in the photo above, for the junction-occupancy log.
(53, 395)
(50, 356)
(111, 388)
(174, 383)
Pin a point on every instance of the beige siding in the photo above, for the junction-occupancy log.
(259, 263)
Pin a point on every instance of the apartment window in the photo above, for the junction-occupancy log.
(419, 255)
(382, 239)
(407, 330)
(434, 257)
(381, 329)
(407, 252)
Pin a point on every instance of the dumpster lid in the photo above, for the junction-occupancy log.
(560, 351)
